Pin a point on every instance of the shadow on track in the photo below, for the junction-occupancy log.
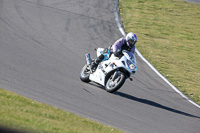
(145, 101)
(151, 103)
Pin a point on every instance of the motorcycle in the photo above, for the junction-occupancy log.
(110, 73)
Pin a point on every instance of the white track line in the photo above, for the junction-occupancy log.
(117, 18)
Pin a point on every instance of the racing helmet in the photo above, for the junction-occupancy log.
(131, 39)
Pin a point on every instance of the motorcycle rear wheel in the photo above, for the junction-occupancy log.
(113, 86)
(84, 74)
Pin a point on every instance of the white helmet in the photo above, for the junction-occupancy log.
(131, 39)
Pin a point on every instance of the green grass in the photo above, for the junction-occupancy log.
(169, 38)
(17, 112)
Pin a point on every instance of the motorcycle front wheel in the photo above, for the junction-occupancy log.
(84, 74)
(112, 85)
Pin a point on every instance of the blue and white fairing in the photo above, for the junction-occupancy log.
(127, 63)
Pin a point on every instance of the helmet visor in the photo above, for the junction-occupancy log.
(131, 42)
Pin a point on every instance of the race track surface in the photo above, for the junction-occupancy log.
(193, 1)
(42, 48)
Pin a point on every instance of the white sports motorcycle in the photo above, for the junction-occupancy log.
(110, 73)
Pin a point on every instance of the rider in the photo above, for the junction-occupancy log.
(127, 43)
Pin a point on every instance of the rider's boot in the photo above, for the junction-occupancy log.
(96, 62)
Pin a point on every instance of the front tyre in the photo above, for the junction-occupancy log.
(113, 85)
(85, 73)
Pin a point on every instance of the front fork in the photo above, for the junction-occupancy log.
(115, 75)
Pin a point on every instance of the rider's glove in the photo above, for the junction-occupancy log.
(116, 54)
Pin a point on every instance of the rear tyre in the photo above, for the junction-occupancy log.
(114, 85)
(85, 73)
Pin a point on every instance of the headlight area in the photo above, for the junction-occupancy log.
(130, 65)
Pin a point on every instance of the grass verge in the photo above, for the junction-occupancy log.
(18, 112)
(169, 36)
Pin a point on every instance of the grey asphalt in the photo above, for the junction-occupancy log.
(42, 48)
(193, 1)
